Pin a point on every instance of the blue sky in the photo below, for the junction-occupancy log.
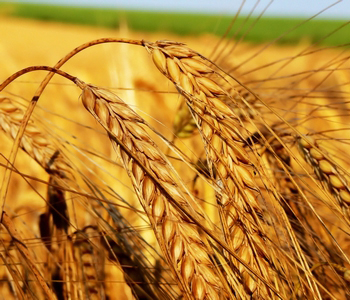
(302, 8)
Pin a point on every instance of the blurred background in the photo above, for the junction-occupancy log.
(197, 17)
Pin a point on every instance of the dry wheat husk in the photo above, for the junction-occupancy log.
(242, 97)
(127, 248)
(287, 194)
(157, 189)
(40, 147)
(313, 241)
(223, 135)
(14, 279)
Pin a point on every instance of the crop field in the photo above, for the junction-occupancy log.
(172, 164)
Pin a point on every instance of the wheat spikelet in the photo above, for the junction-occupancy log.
(299, 219)
(223, 136)
(156, 189)
(327, 172)
(40, 147)
(290, 193)
(239, 106)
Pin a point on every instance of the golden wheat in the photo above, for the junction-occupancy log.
(267, 245)
(157, 191)
(327, 172)
(223, 136)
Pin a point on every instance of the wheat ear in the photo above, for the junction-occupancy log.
(36, 143)
(327, 172)
(223, 137)
(90, 260)
(157, 190)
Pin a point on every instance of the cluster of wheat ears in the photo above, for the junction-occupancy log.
(275, 226)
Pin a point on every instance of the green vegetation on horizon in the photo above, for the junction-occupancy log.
(266, 29)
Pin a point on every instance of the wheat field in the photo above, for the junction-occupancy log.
(171, 167)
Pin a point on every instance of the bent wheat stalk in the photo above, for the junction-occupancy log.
(33, 102)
